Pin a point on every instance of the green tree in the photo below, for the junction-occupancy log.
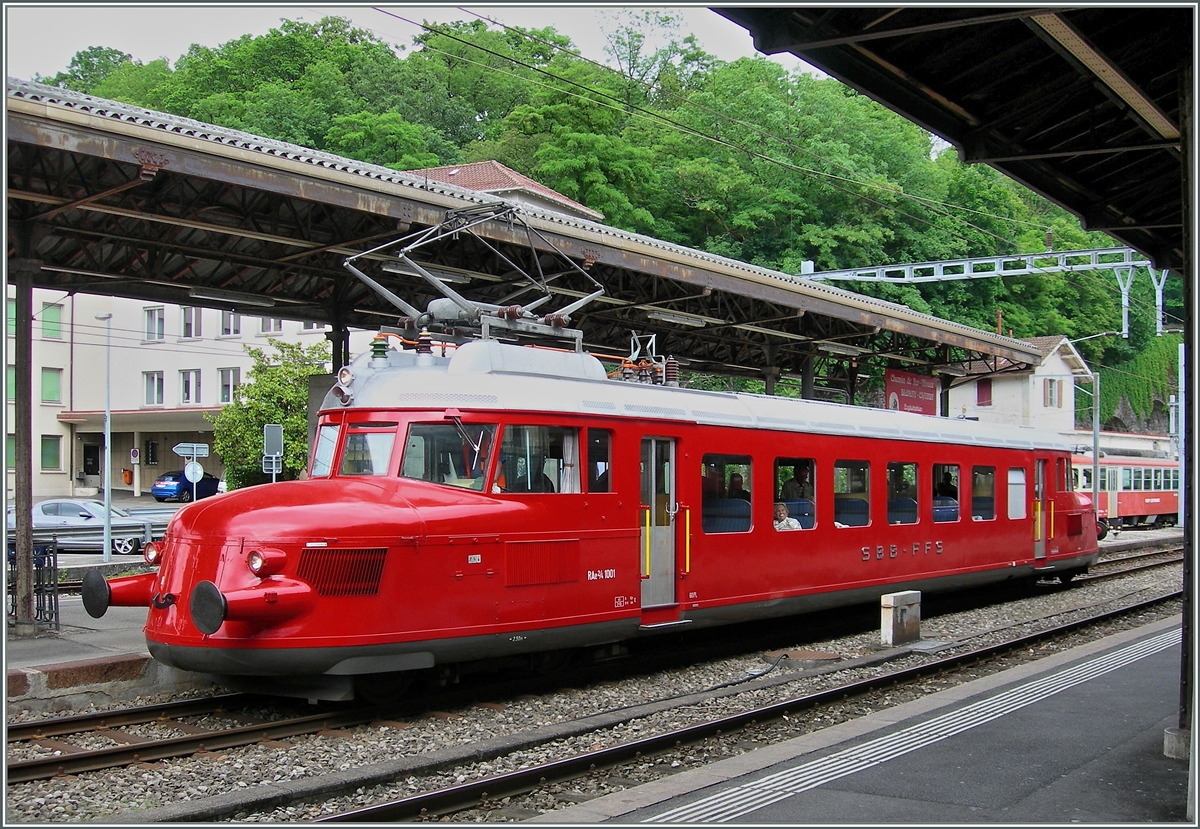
(276, 391)
(389, 140)
(88, 68)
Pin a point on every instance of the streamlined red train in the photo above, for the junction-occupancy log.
(505, 500)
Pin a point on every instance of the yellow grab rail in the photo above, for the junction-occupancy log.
(646, 574)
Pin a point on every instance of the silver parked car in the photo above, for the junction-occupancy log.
(70, 513)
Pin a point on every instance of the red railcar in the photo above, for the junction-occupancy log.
(508, 500)
(1133, 491)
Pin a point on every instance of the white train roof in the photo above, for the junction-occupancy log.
(487, 374)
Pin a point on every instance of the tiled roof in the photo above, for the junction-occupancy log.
(494, 177)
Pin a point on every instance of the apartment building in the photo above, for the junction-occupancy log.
(169, 366)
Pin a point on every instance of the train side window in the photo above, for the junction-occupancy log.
(1126, 478)
(795, 488)
(725, 501)
(1158, 484)
(902, 493)
(851, 493)
(325, 446)
(539, 459)
(1137, 478)
(945, 492)
(983, 493)
(599, 460)
(1016, 492)
(448, 453)
(1087, 479)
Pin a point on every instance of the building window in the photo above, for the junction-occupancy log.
(153, 382)
(51, 321)
(11, 382)
(190, 324)
(151, 457)
(12, 317)
(10, 452)
(51, 453)
(313, 326)
(52, 385)
(983, 392)
(155, 324)
(1052, 393)
(231, 378)
(189, 386)
(270, 325)
(231, 324)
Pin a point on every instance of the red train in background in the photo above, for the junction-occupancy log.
(1134, 492)
(503, 500)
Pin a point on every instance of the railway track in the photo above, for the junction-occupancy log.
(270, 731)
(492, 790)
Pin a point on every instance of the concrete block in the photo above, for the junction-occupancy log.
(1177, 743)
(900, 617)
(18, 683)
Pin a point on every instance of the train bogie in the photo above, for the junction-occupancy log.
(507, 502)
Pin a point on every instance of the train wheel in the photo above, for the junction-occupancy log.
(1101, 530)
(1066, 576)
(381, 688)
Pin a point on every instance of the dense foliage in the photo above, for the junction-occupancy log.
(276, 391)
(741, 159)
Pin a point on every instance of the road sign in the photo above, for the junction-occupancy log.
(191, 450)
(135, 456)
(272, 439)
(193, 471)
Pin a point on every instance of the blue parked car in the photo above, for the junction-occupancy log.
(173, 486)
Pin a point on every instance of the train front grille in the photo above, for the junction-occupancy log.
(342, 572)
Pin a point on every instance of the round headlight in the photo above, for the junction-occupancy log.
(263, 563)
(342, 395)
(151, 552)
(345, 376)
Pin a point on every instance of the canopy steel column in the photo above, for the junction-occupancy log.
(22, 271)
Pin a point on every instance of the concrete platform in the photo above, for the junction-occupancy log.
(1074, 737)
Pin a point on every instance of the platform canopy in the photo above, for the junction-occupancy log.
(1088, 106)
(106, 198)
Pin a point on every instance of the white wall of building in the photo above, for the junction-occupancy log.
(1023, 399)
(143, 360)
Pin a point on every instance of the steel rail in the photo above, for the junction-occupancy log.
(76, 723)
(469, 795)
(140, 752)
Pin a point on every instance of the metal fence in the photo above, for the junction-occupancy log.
(45, 583)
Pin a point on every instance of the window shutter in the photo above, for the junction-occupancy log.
(1060, 392)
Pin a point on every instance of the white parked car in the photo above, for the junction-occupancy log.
(76, 512)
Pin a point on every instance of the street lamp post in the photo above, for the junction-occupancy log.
(107, 320)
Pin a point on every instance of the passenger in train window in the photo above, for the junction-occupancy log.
(946, 487)
(782, 520)
(798, 486)
(735, 488)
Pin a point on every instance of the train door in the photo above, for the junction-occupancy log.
(1041, 509)
(658, 509)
